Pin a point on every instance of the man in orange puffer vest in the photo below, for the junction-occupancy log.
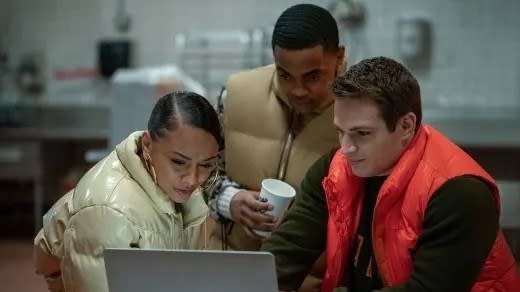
(406, 209)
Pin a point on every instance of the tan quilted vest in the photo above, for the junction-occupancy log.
(256, 125)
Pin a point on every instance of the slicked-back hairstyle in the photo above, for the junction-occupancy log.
(304, 26)
(184, 107)
(385, 81)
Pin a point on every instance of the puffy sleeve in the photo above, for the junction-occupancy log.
(88, 233)
(48, 244)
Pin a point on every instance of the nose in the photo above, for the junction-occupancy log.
(190, 179)
(299, 90)
(347, 145)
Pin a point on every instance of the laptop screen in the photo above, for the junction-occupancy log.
(132, 270)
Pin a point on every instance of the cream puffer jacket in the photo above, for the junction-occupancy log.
(115, 204)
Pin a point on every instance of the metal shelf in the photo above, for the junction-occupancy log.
(211, 56)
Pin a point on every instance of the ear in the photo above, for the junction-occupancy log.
(146, 142)
(341, 59)
(407, 126)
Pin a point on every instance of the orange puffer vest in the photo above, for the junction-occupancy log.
(429, 161)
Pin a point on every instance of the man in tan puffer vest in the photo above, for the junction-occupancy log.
(277, 122)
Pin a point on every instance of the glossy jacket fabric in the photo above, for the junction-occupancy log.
(115, 204)
(429, 161)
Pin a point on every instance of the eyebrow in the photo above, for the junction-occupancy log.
(312, 71)
(189, 158)
(360, 129)
(281, 69)
(357, 128)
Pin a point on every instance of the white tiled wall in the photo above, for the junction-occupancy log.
(68, 29)
(3, 13)
(475, 48)
(474, 55)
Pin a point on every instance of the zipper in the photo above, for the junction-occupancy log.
(284, 158)
(176, 239)
(296, 124)
(173, 230)
(181, 234)
(197, 222)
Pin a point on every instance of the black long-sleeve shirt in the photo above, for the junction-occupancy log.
(459, 228)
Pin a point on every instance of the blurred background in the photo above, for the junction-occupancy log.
(77, 76)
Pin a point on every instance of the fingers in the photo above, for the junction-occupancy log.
(258, 206)
(254, 203)
(251, 233)
(256, 220)
(250, 212)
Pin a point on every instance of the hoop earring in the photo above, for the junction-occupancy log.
(210, 182)
(149, 166)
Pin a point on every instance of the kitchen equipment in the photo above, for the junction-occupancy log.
(211, 56)
(112, 55)
(510, 204)
(414, 37)
(30, 73)
(134, 92)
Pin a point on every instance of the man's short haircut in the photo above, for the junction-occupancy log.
(385, 81)
(304, 26)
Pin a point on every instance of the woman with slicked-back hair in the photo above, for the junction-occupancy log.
(145, 194)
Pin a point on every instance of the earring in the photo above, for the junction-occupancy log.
(149, 166)
(210, 182)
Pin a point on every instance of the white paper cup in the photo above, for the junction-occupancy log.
(279, 194)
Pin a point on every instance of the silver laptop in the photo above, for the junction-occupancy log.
(138, 270)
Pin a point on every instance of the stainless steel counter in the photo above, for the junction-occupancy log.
(480, 132)
(32, 133)
(36, 136)
(77, 120)
(50, 120)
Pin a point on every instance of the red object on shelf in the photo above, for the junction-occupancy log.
(75, 74)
